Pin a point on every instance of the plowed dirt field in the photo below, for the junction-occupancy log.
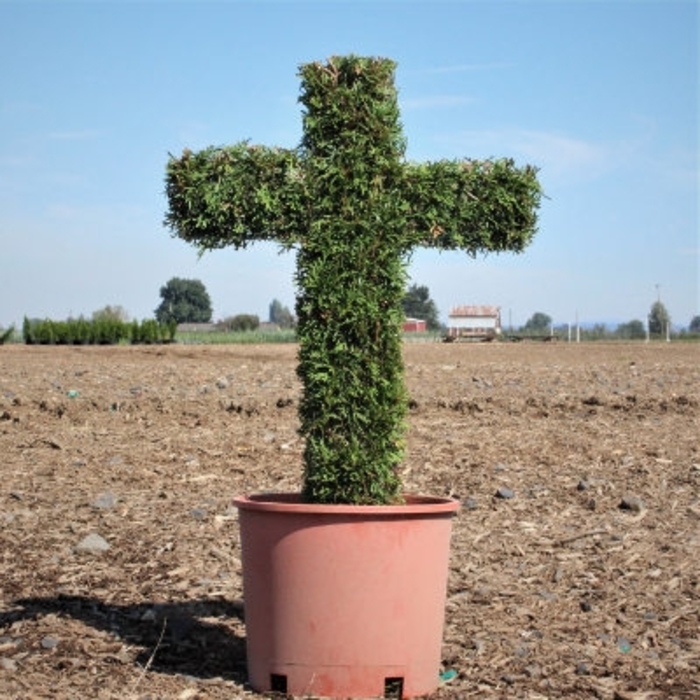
(575, 568)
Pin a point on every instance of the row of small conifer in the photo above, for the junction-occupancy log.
(101, 331)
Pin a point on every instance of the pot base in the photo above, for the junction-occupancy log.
(331, 681)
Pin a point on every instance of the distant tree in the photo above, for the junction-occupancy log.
(659, 319)
(240, 322)
(418, 304)
(632, 330)
(245, 322)
(6, 334)
(184, 301)
(598, 331)
(29, 326)
(538, 322)
(281, 315)
(694, 326)
(111, 313)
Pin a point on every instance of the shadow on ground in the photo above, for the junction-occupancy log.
(183, 638)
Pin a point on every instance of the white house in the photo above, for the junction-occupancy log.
(474, 322)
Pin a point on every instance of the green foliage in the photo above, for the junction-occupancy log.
(108, 331)
(116, 313)
(170, 330)
(281, 315)
(82, 332)
(100, 331)
(538, 323)
(597, 331)
(6, 335)
(28, 331)
(241, 323)
(632, 330)
(244, 322)
(231, 196)
(258, 337)
(418, 304)
(147, 332)
(694, 325)
(471, 206)
(355, 210)
(659, 319)
(184, 301)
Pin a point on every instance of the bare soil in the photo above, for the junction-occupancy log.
(583, 584)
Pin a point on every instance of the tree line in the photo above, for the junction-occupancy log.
(658, 326)
(97, 331)
(187, 301)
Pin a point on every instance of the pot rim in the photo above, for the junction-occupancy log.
(278, 502)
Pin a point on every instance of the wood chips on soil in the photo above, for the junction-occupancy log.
(576, 554)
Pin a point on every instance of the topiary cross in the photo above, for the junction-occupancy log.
(354, 210)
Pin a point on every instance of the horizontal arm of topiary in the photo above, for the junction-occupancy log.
(354, 210)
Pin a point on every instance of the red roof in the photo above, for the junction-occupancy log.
(475, 311)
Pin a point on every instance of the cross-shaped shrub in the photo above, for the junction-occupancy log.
(353, 209)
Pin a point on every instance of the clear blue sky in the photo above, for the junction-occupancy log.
(602, 96)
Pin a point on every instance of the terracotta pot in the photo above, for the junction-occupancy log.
(344, 601)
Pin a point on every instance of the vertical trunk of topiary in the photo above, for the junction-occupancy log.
(351, 282)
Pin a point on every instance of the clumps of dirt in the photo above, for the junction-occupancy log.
(574, 568)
